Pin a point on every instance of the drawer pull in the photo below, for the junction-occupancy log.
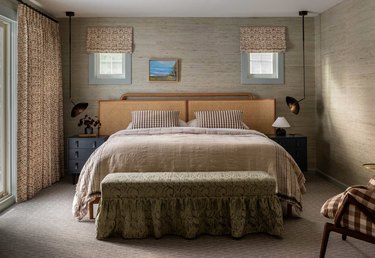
(77, 143)
(76, 166)
(94, 145)
(76, 155)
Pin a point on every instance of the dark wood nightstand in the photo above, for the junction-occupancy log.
(296, 145)
(79, 150)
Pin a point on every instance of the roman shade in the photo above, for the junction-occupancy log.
(262, 39)
(109, 39)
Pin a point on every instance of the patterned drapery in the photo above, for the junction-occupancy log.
(40, 97)
(260, 39)
(109, 39)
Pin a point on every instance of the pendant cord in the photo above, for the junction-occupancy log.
(303, 57)
(70, 14)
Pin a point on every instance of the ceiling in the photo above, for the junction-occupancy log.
(184, 8)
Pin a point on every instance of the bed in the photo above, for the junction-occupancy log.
(188, 149)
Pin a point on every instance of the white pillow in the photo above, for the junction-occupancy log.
(193, 123)
(182, 123)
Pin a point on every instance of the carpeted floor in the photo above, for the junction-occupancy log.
(45, 227)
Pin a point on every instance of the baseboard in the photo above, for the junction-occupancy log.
(331, 179)
(6, 203)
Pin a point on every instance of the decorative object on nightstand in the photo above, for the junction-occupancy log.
(79, 150)
(281, 123)
(89, 123)
(80, 107)
(292, 103)
(295, 145)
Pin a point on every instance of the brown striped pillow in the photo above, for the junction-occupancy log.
(154, 118)
(220, 119)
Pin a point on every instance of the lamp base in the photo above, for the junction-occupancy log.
(280, 132)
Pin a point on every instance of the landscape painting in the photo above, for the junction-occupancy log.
(163, 70)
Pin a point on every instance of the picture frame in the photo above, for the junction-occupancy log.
(163, 70)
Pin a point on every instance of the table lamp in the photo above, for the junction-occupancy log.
(280, 123)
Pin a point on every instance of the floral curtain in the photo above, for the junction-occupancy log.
(40, 97)
(258, 39)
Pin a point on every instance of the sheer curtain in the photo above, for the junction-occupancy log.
(40, 97)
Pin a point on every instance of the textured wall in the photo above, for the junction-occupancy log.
(210, 62)
(345, 91)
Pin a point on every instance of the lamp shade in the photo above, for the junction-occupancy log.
(78, 109)
(281, 122)
(293, 105)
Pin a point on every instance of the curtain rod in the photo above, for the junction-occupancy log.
(36, 10)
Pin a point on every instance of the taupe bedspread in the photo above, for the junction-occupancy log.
(178, 149)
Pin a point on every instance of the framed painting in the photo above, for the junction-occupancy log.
(163, 70)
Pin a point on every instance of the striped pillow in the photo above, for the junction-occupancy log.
(154, 118)
(220, 119)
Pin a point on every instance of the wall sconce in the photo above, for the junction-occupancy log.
(292, 103)
(280, 123)
(369, 166)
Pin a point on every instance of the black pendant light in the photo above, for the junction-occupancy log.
(80, 107)
(292, 103)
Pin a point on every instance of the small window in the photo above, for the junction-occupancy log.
(110, 68)
(262, 68)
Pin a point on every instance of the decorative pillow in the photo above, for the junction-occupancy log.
(181, 123)
(220, 119)
(154, 118)
(194, 123)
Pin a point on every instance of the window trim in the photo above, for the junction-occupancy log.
(94, 79)
(246, 78)
(11, 116)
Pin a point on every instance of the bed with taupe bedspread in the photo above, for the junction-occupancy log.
(174, 149)
(188, 149)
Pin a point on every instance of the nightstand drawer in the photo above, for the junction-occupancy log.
(75, 166)
(79, 150)
(85, 143)
(80, 154)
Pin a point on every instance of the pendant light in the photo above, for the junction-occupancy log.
(80, 107)
(292, 103)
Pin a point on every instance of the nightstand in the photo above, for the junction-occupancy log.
(79, 150)
(296, 145)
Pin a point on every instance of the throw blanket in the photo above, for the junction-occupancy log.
(178, 149)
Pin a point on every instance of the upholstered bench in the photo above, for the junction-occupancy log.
(138, 205)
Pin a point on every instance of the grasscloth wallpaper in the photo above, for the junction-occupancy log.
(345, 93)
(210, 62)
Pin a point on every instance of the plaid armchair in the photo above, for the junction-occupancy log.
(353, 212)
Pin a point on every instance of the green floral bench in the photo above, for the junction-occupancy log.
(138, 205)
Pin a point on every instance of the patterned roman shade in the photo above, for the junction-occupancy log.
(261, 39)
(109, 39)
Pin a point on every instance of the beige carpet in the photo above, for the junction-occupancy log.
(45, 227)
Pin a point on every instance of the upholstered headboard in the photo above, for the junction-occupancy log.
(259, 114)
(115, 115)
